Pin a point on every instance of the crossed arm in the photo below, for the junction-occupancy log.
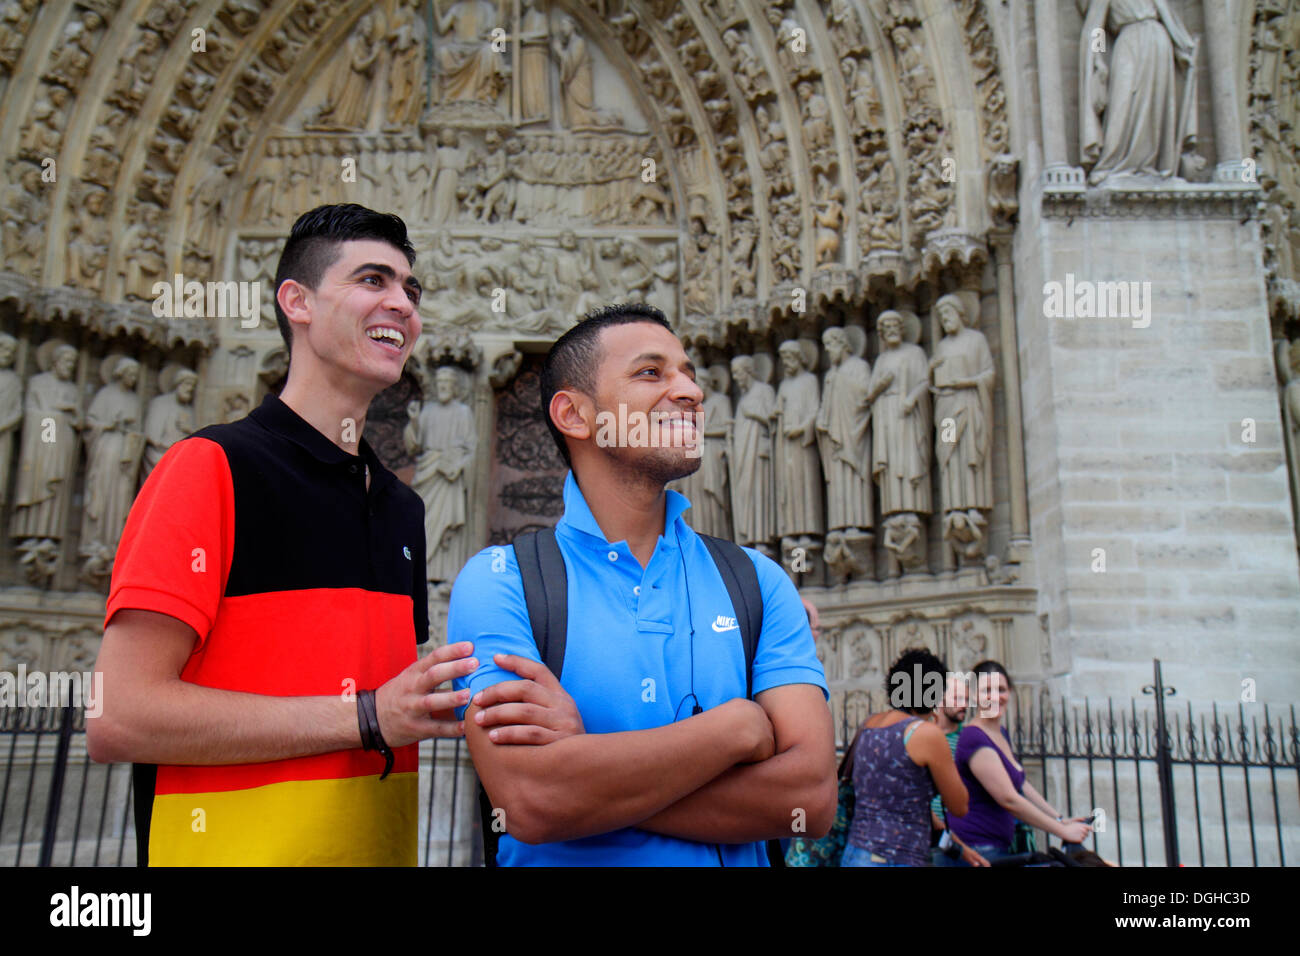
(740, 772)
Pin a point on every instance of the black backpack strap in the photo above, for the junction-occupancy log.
(741, 578)
(546, 593)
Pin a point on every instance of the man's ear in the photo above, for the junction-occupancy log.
(573, 414)
(292, 297)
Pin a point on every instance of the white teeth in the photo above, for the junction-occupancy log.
(392, 335)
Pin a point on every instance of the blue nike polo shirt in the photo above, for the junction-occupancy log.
(627, 663)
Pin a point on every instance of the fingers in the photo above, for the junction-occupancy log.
(526, 668)
(509, 692)
(442, 728)
(522, 734)
(441, 673)
(503, 714)
(448, 652)
(446, 701)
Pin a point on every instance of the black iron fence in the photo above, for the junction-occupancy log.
(1210, 785)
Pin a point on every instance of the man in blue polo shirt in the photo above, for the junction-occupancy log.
(649, 753)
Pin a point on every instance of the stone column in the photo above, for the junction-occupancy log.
(1011, 395)
(1051, 103)
(1221, 35)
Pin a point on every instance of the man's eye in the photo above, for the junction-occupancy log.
(369, 278)
(652, 371)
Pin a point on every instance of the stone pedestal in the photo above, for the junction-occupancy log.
(1157, 474)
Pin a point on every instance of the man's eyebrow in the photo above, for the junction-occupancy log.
(387, 270)
(660, 359)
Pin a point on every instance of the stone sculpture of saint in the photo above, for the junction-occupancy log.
(406, 40)
(114, 438)
(1289, 367)
(708, 488)
(170, 416)
(443, 205)
(43, 490)
(842, 426)
(1133, 118)
(441, 437)
(753, 478)
(576, 84)
(962, 374)
(900, 397)
(352, 89)
(466, 62)
(11, 408)
(799, 475)
(534, 63)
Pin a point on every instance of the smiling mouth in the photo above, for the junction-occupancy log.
(389, 338)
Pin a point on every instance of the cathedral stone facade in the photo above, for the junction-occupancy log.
(997, 305)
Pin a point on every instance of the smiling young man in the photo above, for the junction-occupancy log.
(648, 752)
(259, 652)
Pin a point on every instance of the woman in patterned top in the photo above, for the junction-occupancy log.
(899, 759)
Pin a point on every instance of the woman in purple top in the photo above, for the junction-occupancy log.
(999, 793)
(898, 759)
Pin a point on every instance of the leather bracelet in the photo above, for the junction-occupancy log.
(371, 736)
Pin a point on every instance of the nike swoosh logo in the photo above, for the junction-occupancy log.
(729, 627)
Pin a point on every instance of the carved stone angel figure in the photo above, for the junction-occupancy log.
(441, 436)
(753, 480)
(1132, 119)
(842, 427)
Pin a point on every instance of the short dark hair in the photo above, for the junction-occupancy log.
(575, 356)
(916, 679)
(314, 242)
(992, 667)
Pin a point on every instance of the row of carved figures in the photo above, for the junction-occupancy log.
(795, 466)
(123, 437)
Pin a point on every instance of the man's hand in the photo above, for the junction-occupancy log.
(535, 710)
(408, 708)
(755, 720)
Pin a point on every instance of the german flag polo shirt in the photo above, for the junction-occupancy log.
(262, 536)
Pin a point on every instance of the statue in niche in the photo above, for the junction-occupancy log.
(48, 452)
(534, 63)
(115, 440)
(13, 31)
(449, 162)
(1133, 122)
(798, 472)
(467, 66)
(744, 236)
(900, 447)
(707, 488)
(753, 476)
(11, 409)
(816, 116)
(88, 245)
(170, 416)
(45, 122)
(577, 88)
(963, 375)
(441, 437)
(406, 40)
(844, 28)
(864, 102)
(842, 424)
(75, 49)
(829, 219)
(347, 105)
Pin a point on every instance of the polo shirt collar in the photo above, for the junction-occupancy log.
(578, 516)
(274, 415)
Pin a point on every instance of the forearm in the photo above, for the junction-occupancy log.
(1024, 811)
(178, 722)
(1033, 796)
(594, 783)
(762, 801)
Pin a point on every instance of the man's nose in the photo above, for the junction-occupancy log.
(687, 390)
